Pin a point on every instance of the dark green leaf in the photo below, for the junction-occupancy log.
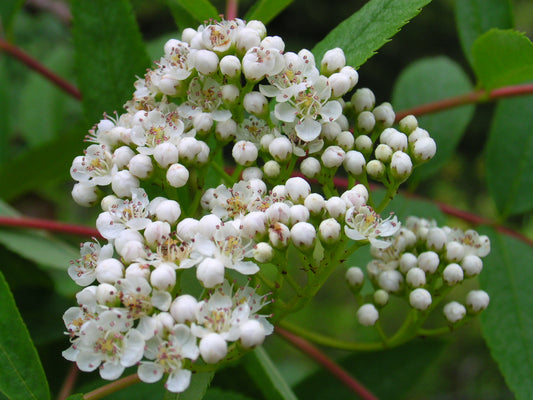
(266, 376)
(509, 156)
(5, 112)
(182, 17)
(475, 17)
(196, 390)
(267, 10)
(507, 323)
(200, 10)
(389, 374)
(78, 396)
(502, 58)
(404, 206)
(217, 394)
(109, 54)
(41, 164)
(429, 80)
(362, 34)
(8, 11)
(21, 374)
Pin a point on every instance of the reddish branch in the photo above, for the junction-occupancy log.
(40, 68)
(68, 383)
(49, 225)
(335, 369)
(231, 9)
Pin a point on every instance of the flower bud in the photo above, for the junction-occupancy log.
(315, 203)
(280, 148)
(408, 124)
(333, 157)
(188, 148)
(109, 201)
(202, 122)
(355, 277)
(472, 265)
(85, 195)
(336, 207)
(381, 298)
(354, 198)
(415, 277)
(107, 295)
(122, 183)
(169, 211)
(279, 192)
(109, 270)
(297, 189)
(156, 231)
(383, 153)
(332, 61)
(436, 239)
(363, 100)
(205, 62)
(183, 309)
(340, 84)
(225, 129)
(141, 166)
(230, 66)
(330, 130)
(122, 156)
(367, 314)
(452, 274)
(329, 230)
(258, 26)
(364, 144)
(177, 175)
(354, 162)
(254, 224)
(229, 94)
(366, 121)
(210, 272)
(420, 299)
(390, 280)
(165, 154)
(255, 103)
(126, 236)
(279, 235)
(138, 270)
(455, 251)
(252, 334)
(454, 311)
(133, 250)
(375, 169)
(310, 167)
(418, 134)
(263, 252)
(247, 38)
(163, 277)
(303, 235)
(213, 348)
(271, 169)
(407, 261)
(279, 212)
(208, 225)
(384, 114)
(428, 261)
(345, 140)
(299, 213)
(477, 301)
(401, 165)
(424, 149)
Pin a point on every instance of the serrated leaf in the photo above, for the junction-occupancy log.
(507, 324)
(502, 57)
(109, 54)
(509, 156)
(389, 374)
(362, 34)
(426, 81)
(475, 17)
(21, 374)
(200, 10)
(266, 10)
(266, 376)
(42, 164)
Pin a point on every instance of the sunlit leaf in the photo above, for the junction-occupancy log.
(507, 323)
(362, 34)
(426, 81)
(509, 156)
(21, 374)
(502, 57)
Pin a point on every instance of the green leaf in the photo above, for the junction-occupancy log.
(109, 54)
(200, 10)
(405, 206)
(40, 165)
(509, 156)
(78, 396)
(8, 11)
(507, 324)
(502, 58)
(218, 394)
(21, 374)
(389, 374)
(266, 10)
(197, 389)
(362, 34)
(426, 81)
(266, 376)
(475, 17)
(182, 17)
(5, 112)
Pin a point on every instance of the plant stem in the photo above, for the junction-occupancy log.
(335, 369)
(40, 68)
(112, 387)
(49, 225)
(231, 9)
(476, 96)
(68, 383)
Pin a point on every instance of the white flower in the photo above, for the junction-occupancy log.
(168, 358)
(234, 202)
(362, 223)
(220, 36)
(153, 128)
(82, 270)
(95, 167)
(205, 96)
(138, 297)
(132, 214)
(262, 60)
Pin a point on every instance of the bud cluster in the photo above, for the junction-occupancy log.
(421, 263)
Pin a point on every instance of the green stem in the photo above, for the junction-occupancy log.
(391, 192)
(223, 174)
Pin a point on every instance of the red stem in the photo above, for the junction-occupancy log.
(467, 98)
(327, 363)
(40, 68)
(68, 384)
(49, 225)
(231, 9)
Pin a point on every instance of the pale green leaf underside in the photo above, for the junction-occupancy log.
(509, 156)
(507, 323)
(475, 17)
(502, 57)
(362, 34)
(21, 374)
(426, 81)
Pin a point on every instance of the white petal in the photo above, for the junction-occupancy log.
(245, 267)
(285, 112)
(331, 110)
(71, 353)
(138, 223)
(379, 244)
(308, 129)
(354, 234)
(111, 371)
(150, 372)
(161, 300)
(134, 348)
(269, 90)
(221, 115)
(88, 361)
(178, 380)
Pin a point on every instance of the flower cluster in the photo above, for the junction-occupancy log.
(229, 85)
(423, 262)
